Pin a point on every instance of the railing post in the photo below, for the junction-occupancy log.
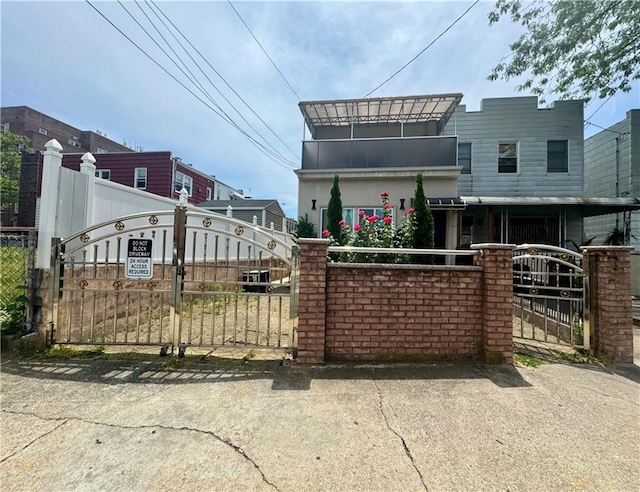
(47, 223)
(88, 167)
(177, 272)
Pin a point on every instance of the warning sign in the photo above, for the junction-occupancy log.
(139, 258)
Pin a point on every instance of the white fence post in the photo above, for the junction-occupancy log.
(51, 164)
(255, 220)
(88, 167)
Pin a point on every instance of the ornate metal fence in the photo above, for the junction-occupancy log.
(549, 296)
(174, 279)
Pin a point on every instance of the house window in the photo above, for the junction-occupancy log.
(5, 127)
(464, 157)
(508, 157)
(348, 215)
(208, 193)
(557, 156)
(42, 131)
(74, 142)
(140, 181)
(103, 173)
(100, 150)
(183, 181)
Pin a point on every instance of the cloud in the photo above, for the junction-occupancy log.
(68, 62)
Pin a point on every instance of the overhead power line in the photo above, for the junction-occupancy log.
(599, 108)
(219, 75)
(195, 81)
(265, 51)
(260, 147)
(425, 49)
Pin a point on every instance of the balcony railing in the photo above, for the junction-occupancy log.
(379, 153)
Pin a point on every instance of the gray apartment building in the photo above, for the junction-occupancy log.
(612, 168)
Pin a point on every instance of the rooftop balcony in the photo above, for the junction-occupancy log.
(368, 153)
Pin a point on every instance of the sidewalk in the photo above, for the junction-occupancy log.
(106, 425)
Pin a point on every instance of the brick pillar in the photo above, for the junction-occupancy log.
(312, 300)
(609, 271)
(497, 301)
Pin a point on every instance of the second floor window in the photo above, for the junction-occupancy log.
(507, 158)
(183, 181)
(208, 193)
(103, 173)
(557, 156)
(42, 131)
(140, 181)
(464, 157)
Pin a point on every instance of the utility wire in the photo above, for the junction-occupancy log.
(221, 77)
(194, 79)
(599, 108)
(425, 49)
(179, 82)
(265, 51)
(605, 129)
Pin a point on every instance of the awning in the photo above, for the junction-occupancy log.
(588, 206)
(447, 203)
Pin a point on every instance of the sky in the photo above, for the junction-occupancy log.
(65, 60)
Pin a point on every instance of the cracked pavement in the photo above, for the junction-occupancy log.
(109, 425)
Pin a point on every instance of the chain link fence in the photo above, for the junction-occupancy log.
(17, 266)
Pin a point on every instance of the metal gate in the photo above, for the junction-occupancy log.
(203, 280)
(550, 296)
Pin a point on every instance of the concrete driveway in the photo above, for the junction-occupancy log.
(108, 425)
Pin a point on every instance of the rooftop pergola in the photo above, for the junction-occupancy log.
(402, 109)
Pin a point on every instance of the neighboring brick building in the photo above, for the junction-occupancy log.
(155, 172)
(40, 128)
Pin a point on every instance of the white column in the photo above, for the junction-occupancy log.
(51, 165)
(88, 167)
(451, 234)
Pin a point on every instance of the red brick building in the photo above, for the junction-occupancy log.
(154, 172)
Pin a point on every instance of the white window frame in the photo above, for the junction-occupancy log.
(103, 174)
(74, 142)
(43, 131)
(6, 126)
(137, 175)
(100, 150)
(517, 156)
(183, 181)
(208, 193)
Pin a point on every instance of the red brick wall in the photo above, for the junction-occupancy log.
(403, 312)
(609, 272)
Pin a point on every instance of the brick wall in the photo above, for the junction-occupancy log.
(609, 272)
(403, 312)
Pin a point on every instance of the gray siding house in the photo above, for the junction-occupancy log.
(265, 211)
(612, 169)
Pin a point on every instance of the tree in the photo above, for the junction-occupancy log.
(304, 228)
(334, 211)
(423, 224)
(10, 159)
(575, 49)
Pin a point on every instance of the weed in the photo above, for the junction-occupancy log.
(250, 355)
(526, 360)
(66, 352)
(580, 358)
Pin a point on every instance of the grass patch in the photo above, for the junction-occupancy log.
(526, 360)
(66, 352)
(580, 358)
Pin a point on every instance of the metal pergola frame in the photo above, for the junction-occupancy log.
(401, 109)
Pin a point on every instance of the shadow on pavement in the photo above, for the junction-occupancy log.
(284, 377)
(549, 355)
